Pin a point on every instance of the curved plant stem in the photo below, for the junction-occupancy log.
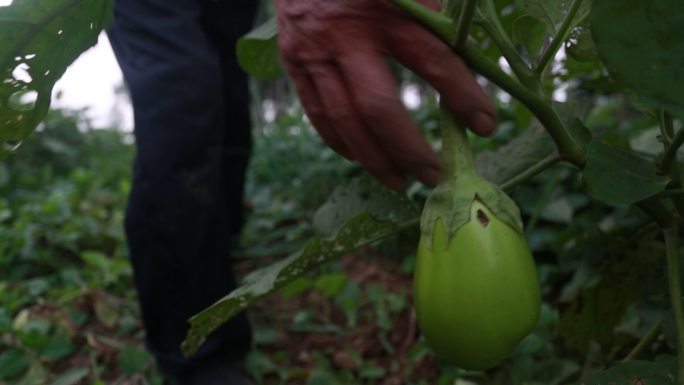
(648, 339)
(674, 282)
(530, 172)
(442, 25)
(666, 126)
(668, 165)
(671, 153)
(657, 211)
(495, 30)
(457, 155)
(560, 37)
(465, 17)
(568, 148)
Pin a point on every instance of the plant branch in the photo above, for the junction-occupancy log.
(540, 166)
(666, 125)
(668, 165)
(569, 150)
(560, 37)
(495, 30)
(456, 153)
(647, 340)
(657, 211)
(465, 17)
(671, 151)
(441, 25)
(674, 281)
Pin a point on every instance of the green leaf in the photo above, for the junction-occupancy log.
(40, 40)
(36, 375)
(12, 363)
(57, 348)
(620, 177)
(552, 13)
(632, 269)
(257, 52)
(363, 194)
(531, 33)
(640, 43)
(635, 373)
(581, 45)
(361, 229)
(519, 154)
(133, 360)
(330, 285)
(71, 377)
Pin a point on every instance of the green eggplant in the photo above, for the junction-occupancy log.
(476, 290)
(476, 294)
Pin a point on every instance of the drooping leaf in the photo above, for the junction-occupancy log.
(40, 39)
(620, 177)
(257, 52)
(360, 228)
(635, 373)
(640, 43)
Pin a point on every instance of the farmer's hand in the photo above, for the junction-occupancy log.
(334, 51)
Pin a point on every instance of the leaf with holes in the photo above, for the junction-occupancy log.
(359, 228)
(40, 40)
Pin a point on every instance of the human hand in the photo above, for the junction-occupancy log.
(334, 52)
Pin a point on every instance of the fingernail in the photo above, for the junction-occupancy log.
(482, 123)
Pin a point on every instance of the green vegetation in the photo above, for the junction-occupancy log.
(587, 146)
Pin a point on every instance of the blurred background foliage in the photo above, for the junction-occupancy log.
(67, 308)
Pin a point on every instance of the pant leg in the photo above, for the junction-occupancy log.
(188, 177)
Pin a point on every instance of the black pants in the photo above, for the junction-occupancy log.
(192, 131)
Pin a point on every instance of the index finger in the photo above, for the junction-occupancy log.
(376, 95)
(428, 56)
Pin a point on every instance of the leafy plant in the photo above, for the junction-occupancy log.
(597, 177)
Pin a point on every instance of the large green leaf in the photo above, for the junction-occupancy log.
(360, 228)
(257, 52)
(620, 177)
(40, 39)
(641, 44)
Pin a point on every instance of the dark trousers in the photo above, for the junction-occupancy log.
(192, 132)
